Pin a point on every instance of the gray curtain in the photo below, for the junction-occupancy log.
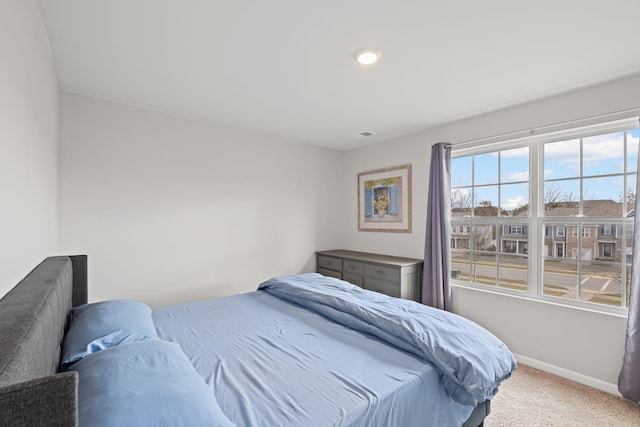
(436, 291)
(629, 379)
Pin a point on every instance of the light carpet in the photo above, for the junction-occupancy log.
(536, 398)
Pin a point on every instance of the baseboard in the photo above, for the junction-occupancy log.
(571, 375)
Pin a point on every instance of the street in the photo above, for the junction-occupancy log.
(601, 284)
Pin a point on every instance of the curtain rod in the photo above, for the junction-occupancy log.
(622, 114)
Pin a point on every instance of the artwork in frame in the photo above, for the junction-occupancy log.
(384, 200)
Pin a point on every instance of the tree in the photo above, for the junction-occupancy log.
(481, 238)
(630, 196)
(522, 207)
(553, 196)
(460, 199)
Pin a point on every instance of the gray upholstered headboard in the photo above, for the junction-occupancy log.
(33, 319)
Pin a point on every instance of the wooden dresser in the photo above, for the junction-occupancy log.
(394, 276)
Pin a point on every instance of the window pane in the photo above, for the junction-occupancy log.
(603, 154)
(587, 248)
(560, 278)
(514, 165)
(562, 159)
(559, 240)
(514, 199)
(561, 198)
(461, 202)
(602, 197)
(514, 238)
(601, 283)
(632, 150)
(483, 237)
(460, 235)
(486, 201)
(630, 194)
(485, 168)
(461, 171)
(460, 265)
(609, 243)
(512, 272)
(629, 241)
(483, 268)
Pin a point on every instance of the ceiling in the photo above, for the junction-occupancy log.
(285, 67)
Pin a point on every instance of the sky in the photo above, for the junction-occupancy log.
(505, 174)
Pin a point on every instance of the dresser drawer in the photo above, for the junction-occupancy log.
(391, 275)
(391, 289)
(330, 273)
(383, 273)
(329, 263)
(351, 278)
(353, 267)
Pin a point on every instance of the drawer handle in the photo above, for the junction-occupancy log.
(380, 273)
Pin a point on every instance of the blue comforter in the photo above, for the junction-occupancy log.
(471, 361)
(271, 362)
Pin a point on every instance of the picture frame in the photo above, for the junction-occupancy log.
(384, 200)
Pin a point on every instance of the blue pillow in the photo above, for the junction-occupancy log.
(149, 383)
(105, 324)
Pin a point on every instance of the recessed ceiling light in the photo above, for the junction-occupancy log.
(367, 56)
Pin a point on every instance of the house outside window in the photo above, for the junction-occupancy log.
(577, 188)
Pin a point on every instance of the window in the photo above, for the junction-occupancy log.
(585, 232)
(510, 246)
(544, 247)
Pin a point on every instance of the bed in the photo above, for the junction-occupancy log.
(300, 350)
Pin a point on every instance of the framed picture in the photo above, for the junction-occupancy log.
(384, 200)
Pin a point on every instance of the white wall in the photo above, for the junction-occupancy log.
(171, 209)
(28, 142)
(579, 344)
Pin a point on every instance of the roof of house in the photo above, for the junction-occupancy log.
(591, 208)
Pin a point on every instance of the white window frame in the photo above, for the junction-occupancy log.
(558, 233)
(586, 231)
(536, 221)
